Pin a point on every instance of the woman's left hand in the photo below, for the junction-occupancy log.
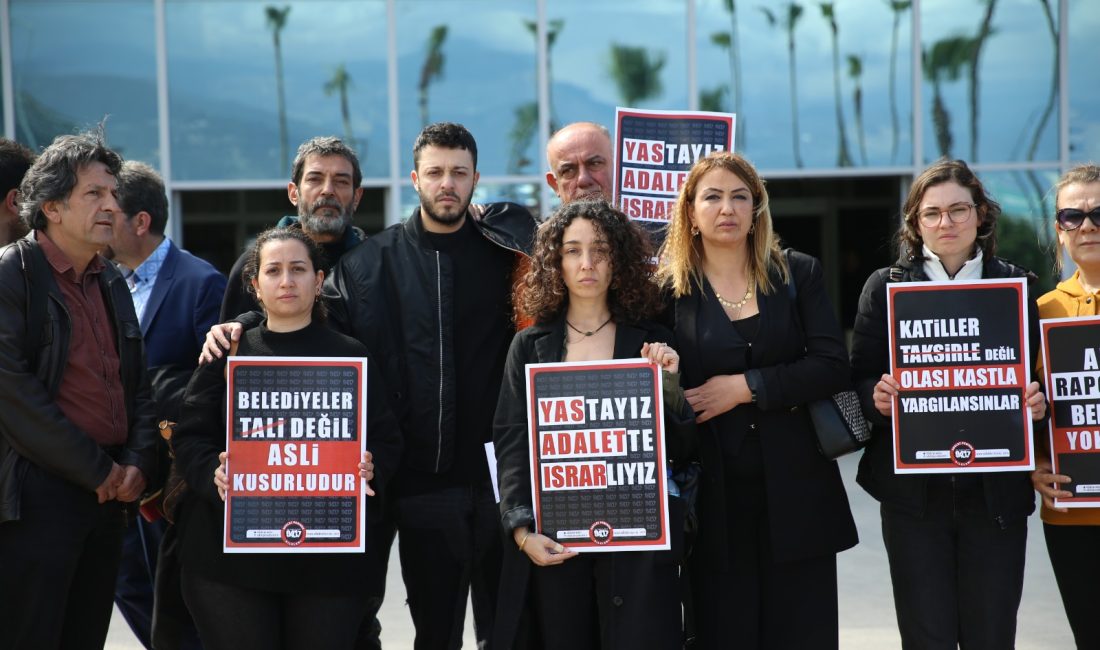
(366, 471)
(719, 394)
(221, 479)
(663, 355)
(1036, 401)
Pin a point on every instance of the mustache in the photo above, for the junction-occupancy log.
(329, 202)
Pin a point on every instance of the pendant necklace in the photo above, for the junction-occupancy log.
(584, 333)
(736, 305)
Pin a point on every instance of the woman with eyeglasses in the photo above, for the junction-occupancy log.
(1068, 531)
(955, 542)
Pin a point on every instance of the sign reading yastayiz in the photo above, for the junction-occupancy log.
(597, 446)
(1071, 369)
(296, 430)
(960, 352)
(655, 150)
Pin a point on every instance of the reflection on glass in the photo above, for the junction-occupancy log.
(817, 85)
(473, 63)
(640, 63)
(70, 69)
(1025, 230)
(1084, 92)
(525, 194)
(298, 70)
(989, 99)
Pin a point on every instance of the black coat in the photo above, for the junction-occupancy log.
(807, 506)
(1009, 495)
(544, 343)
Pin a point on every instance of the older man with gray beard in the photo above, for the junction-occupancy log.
(326, 189)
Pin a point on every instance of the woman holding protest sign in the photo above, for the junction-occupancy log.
(759, 340)
(955, 542)
(1070, 531)
(589, 294)
(271, 600)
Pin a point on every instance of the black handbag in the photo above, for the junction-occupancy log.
(837, 420)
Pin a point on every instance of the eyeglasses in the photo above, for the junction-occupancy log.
(1072, 218)
(957, 213)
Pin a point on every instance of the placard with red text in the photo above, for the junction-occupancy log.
(598, 454)
(959, 349)
(1071, 370)
(296, 429)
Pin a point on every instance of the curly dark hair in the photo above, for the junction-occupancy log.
(909, 241)
(53, 175)
(316, 258)
(632, 296)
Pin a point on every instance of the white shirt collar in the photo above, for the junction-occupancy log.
(933, 267)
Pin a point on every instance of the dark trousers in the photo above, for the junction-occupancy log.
(608, 601)
(57, 566)
(957, 574)
(449, 543)
(1076, 566)
(230, 617)
(136, 570)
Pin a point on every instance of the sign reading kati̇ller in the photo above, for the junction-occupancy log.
(296, 431)
(1072, 369)
(598, 454)
(959, 350)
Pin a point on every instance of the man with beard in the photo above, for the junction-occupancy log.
(325, 187)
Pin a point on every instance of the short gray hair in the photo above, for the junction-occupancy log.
(325, 146)
(53, 175)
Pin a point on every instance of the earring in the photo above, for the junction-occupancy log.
(694, 230)
(752, 228)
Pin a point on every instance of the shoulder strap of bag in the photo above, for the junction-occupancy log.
(37, 280)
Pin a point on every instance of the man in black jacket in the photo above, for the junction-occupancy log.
(76, 428)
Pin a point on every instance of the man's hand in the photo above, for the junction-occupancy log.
(218, 341)
(108, 489)
(133, 484)
(221, 478)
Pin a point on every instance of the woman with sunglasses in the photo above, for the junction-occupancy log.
(955, 542)
(1077, 225)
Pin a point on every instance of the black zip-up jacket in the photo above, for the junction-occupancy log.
(394, 294)
(32, 427)
(1009, 495)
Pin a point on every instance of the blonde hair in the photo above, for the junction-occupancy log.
(681, 255)
(1081, 174)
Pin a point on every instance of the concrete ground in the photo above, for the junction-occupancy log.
(867, 619)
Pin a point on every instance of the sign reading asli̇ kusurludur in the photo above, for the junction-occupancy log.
(1072, 372)
(960, 352)
(655, 150)
(296, 431)
(598, 454)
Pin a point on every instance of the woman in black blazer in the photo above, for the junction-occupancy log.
(772, 510)
(589, 293)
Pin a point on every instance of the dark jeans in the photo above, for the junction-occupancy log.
(957, 574)
(57, 566)
(1076, 565)
(237, 618)
(449, 543)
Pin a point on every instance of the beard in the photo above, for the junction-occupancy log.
(446, 215)
(320, 224)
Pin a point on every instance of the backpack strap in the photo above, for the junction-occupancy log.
(36, 277)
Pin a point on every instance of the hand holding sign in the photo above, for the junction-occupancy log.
(220, 478)
(1036, 401)
(366, 471)
(663, 355)
(885, 391)
(1044, 478)
(542, 550)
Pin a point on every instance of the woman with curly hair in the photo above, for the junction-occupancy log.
(759, 340)
(590, 295)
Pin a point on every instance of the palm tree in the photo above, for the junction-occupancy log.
(843, 158)
(855, 71)
(730, 42)
(897, 8)
(1052, 95)
(635, 73)
(794, 12)
(527, 114)
(945, 62)
(432, 68)
(339, 83)
(985, 30)
(711, 100)
(276, 20)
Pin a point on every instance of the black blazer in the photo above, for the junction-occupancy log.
(808, 511)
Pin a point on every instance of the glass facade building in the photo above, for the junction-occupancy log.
(839, 103)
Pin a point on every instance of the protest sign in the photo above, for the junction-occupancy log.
(296, 431)
(655, 150)
(960, 352)
(1072, 370)
(597, 445)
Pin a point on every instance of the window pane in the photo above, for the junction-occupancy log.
(851, 111)
(70, 68)
(471, 62)
(1005, 107)
(1025, 230)
(251, 80)
(1084, 91)
(615, 53)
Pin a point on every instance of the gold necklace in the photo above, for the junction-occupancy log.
(736, 305)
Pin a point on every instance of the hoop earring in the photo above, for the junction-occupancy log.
(694, 231)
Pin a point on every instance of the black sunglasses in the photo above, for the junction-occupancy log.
(1072, 218)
